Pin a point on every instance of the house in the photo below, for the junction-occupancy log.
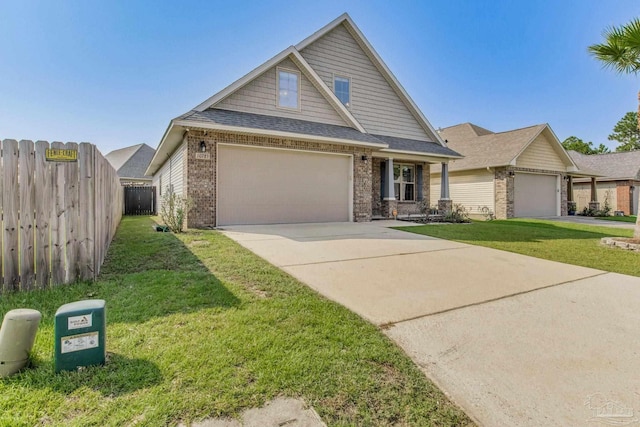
(321, 132)
(517, 173)
(131, 163)
(618, 185)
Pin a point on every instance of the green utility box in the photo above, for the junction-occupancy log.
(80, 335)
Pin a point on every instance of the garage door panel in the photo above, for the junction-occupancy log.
(265, 186)
(535, 195)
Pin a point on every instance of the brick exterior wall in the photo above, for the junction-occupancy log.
(383, 208)
(623, 191)
(201, 174)
(505, 191)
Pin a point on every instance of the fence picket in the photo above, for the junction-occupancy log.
(11, 204)
(26, 215)
(58, 261)
(71, 217)
(87, 205)
(44, 207)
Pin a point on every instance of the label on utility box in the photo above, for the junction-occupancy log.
(79, 342)
(78, 322)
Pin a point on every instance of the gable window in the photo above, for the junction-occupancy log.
(342, 89)
(404, 182)
(288, 89)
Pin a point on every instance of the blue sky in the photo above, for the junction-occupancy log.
(116, 72)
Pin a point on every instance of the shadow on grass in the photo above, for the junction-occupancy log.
(119, 376)
(517, 231)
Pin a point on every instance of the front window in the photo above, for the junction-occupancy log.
(342, 89)
(404, 182)
(288, 89)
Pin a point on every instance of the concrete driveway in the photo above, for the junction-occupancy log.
(514, 340)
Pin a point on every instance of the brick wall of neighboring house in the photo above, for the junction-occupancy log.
(504, 194)
(385, 209)
(201, 174)
(624, 196)
(505, 191)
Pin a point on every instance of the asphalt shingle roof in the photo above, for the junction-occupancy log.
(131, 162)
(621, 165)
(483, 148)
(283, 124)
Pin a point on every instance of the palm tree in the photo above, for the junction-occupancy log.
(620, 51)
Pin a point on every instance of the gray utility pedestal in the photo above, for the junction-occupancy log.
(17, 335)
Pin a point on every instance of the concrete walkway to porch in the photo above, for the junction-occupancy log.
(514, 340)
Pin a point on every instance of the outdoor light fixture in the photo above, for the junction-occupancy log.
(203, 147)
(364, 158)
(512, 174)
(566, 177)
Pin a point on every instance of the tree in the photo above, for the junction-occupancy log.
(621, 52)
(627, 133)
(576, 144)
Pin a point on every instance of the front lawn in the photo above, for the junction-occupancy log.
(200, 327)
(627, 218)
(570, 243)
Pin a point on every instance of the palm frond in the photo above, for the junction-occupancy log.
(619, 50)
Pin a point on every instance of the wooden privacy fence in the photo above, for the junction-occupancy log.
(58, 217)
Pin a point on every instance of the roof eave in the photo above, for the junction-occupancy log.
(280, 134)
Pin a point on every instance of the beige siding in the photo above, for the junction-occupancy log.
(582, 194)
(374, 103)
(259, 97)
(172, 173)
(541, 155)
(473, 190)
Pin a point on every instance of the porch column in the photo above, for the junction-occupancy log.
(594, 204)
(444, 204)
(389, 189)
(444, 182)
(389, 202)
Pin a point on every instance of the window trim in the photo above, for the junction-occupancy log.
(400, 194)
(290, 71)
(348, 78)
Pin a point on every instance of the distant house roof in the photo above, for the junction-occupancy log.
(613, 166)
(483, 148)
(131, 162)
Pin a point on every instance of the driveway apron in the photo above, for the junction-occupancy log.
(514, 340)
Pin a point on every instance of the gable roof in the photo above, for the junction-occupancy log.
(483, 148)
(612, 166)
(131, 162)
(201, 116)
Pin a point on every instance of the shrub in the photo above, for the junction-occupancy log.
(174, 210)
(457, 214)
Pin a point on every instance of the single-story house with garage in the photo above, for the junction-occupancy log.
(618, 185)
(321, 132)
(517, 173)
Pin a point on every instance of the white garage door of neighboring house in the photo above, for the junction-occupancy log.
(273, 186)
(536, 195)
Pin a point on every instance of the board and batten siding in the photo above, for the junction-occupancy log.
(171, 173)
(473, 190)
(374, 103)
(540, 154)
(259, 97)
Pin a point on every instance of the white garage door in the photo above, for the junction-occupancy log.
(268, 186)
(535, 195)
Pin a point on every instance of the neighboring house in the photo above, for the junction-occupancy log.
(131, 163)
(321, 132)
(518, 173)
(619, 184)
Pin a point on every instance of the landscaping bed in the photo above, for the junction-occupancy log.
(199, 327)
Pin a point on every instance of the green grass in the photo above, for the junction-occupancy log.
(199, 327)
(557, 241)
(627, 218)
